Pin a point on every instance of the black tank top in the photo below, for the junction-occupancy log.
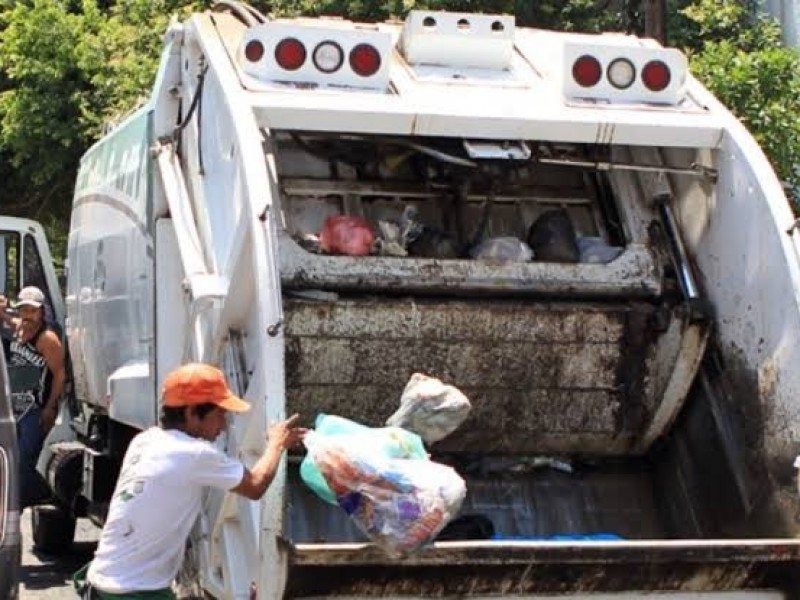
(27, 355)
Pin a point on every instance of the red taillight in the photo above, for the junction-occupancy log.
(586, 71)
(365, 60)
(254, 50)
(656, 76)
(290, 54)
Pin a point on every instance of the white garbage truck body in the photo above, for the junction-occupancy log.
(666, 376)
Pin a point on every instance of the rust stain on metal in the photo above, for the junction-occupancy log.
(631, 372)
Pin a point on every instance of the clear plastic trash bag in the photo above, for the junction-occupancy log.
(400, 504)
(391, 442)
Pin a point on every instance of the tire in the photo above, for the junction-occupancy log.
(53, 529)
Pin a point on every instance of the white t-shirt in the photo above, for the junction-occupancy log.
(155, 505)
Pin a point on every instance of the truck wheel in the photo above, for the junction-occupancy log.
(53, 529)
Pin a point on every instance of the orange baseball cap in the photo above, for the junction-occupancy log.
(198, 383)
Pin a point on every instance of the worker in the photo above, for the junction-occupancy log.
(35, 348)
(157, 498)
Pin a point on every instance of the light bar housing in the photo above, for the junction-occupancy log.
(450, 39)
(606, 52)
(271, 34)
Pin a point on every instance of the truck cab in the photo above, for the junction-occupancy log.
(25, 260)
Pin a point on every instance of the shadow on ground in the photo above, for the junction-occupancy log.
(55, 571)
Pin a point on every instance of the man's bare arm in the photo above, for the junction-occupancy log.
(51, 349)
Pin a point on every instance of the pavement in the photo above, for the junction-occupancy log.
(48, 577)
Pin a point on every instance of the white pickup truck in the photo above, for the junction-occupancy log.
(24, 260)
(666, 375)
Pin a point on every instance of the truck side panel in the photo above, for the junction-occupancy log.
(110, 260)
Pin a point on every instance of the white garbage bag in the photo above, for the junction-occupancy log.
(430, 408)
(502, 250)
(596, 250)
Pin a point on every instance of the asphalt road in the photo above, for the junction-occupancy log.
(49, 578)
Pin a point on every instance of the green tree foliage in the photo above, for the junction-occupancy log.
(569, 15)
(41, 132)
(737, 53)
(67, 69)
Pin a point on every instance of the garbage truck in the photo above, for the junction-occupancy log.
(635, 416)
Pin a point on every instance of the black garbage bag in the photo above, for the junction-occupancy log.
(467, 527)
(552, 238)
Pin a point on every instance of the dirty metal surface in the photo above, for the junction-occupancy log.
(635, 274)
(748, 267)
(712, 462)
(542, 377)
(524, 568)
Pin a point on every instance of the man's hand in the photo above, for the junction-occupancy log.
(285, 435)
(280, 436)
(7, 320)
(47, 418)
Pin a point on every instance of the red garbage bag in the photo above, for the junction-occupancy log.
(343, 234)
